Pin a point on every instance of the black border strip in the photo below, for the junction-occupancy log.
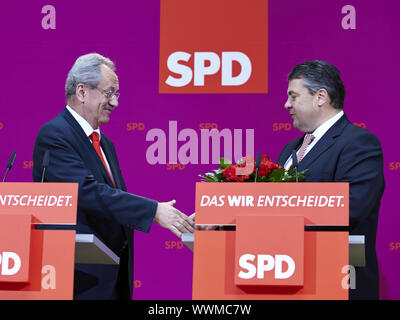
(55, 226)
(326, 228)
(224, 228)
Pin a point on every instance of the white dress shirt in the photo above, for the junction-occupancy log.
(87, 128)
(318, 134)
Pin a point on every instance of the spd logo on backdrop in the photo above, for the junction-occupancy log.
(213, 46)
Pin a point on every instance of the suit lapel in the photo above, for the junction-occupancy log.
(327, 140)
(286, 153)
(112, 161)
(84, 140)
(97, 164)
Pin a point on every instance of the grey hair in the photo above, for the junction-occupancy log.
(86, 70)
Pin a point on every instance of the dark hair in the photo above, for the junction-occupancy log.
(318, 74)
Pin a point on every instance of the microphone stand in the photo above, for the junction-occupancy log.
(295, 164)
(45, 163)
(10, 164)
(257, 165)
(5, 176)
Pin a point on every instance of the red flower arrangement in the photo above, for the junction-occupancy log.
(245, 171)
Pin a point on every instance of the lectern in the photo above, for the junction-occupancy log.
(38, 244)
(288, 241)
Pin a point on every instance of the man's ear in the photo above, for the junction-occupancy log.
(81, 92)
(322, 97)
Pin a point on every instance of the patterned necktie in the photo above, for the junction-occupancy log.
(96, 144)
(306, 142)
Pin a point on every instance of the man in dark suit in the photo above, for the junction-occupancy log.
(335, 150)
(79, 152)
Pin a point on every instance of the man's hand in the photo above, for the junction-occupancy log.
(172, 219)
(202, 227)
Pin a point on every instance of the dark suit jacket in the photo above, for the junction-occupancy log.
(347, 153)
(109, 213)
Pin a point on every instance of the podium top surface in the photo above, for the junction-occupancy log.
(90, 250)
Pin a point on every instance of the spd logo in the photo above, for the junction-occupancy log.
(10, 263)
(276, 258)
(265, 263)
(202, 51)
(15, 233)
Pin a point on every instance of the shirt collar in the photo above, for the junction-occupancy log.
(323, 128)
(87, 128)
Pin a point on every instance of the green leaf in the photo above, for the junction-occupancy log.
(290, 176)
(218, 171)
(220, 177)
(208, 177)
(212, 177)
(291, 171)
(302, 175)
(224, 163)
(276, 175)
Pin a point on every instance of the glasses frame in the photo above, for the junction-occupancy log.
(109, 94)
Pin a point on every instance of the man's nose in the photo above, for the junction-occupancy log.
(288, 104)
(113, 102)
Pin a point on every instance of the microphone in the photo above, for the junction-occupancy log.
(295, 164)
(45, 163)
(257, 165)
(10, 164)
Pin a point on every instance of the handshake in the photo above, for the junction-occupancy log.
(172, 219)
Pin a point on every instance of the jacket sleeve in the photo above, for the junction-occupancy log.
(94, 198)
(361, 164)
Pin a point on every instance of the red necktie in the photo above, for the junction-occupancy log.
(96, 144)
(306, 142)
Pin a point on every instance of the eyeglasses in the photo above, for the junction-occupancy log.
(109, 94)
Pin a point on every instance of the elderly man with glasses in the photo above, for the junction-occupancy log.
(80, 153)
